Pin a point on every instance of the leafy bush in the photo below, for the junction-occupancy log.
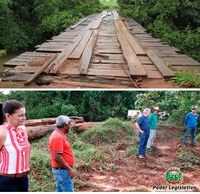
(186, 79)
(109, 132)
(198, 137)
(3, 53)
(174, 21)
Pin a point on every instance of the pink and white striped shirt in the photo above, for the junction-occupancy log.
(15, 153)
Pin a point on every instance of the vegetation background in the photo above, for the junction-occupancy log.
(25, 24)
(97, 148)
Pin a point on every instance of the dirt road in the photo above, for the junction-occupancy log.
(121, 173)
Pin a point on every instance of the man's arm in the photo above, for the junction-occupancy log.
(138, 128)
(59, 159)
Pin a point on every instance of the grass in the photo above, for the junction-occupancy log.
(97, 148)
(40, 178)
(198, 137)
(112, 4)
(186, 79)
(111, 131)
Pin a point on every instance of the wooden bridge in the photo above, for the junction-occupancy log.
(99, 51)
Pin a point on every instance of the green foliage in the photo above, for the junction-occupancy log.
(87, 152)
(109, 132)
(198, 137)
(186, 79)
(188, 159)
(131, 151)
(3, 53)
(174, 21)
(27, 23)
(40, 178)
(112, 4)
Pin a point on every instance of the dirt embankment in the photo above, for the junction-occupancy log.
(122, 173)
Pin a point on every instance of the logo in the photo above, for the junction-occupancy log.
(174, 176)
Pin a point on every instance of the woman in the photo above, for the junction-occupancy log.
(14, 148)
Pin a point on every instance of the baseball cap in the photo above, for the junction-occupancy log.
(193, 107)
(61, 120)
(157, 108)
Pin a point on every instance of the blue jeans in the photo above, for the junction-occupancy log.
(143, 143)
(63, 181)
(192, 132)
(12, 184)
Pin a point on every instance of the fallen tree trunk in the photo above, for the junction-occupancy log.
(36, 132)
(81, 127)
(50, 121)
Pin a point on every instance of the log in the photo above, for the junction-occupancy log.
(36, 132)
(50, 121)
(81, 127)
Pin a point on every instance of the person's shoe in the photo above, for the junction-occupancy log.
(141, 156)
(193, 145)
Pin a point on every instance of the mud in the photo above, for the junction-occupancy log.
(134, 174)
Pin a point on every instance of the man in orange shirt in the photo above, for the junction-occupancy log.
(62, 156)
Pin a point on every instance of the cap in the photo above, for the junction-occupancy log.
(61, 120)
(193, 107)
(157, 108)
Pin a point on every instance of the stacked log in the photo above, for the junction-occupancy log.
(37, 128)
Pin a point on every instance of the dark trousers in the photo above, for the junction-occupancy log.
(143, 143)
(13, 184)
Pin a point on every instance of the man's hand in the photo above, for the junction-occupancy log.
(71, 172)
(141, 131)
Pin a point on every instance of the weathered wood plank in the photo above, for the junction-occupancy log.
(39, 71)
(88, 84)
(77, 52)
(133, 62)
(109, 72)
(87, 53)
(78, 23)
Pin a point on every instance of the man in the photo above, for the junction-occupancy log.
(153, 119)
(143, 127)
(62, 156)
(191, 125)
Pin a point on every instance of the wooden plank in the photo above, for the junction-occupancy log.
(80, 22)
(119, 73)
(134, 64)
(111, 51)
(39, 71)
(166, 72)
(77, 52)
(24, 69)
(87, 53)
(105, 66)
(88, 84)
(59, 62)
(153, 72)
(13, 64)
(108, 61)
(133, 43)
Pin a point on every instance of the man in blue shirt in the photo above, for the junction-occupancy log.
(143, 126)
(191, 124)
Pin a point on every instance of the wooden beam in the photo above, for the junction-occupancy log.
(39, 71)
(78, 23)
(87, 53)
(76, 54)
(134, 64)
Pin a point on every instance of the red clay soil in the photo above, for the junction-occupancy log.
(134, 174)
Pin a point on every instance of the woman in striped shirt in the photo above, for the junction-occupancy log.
(14, 147)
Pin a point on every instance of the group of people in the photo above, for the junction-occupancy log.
(15, 147)
(147, 124)
(15, 150)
